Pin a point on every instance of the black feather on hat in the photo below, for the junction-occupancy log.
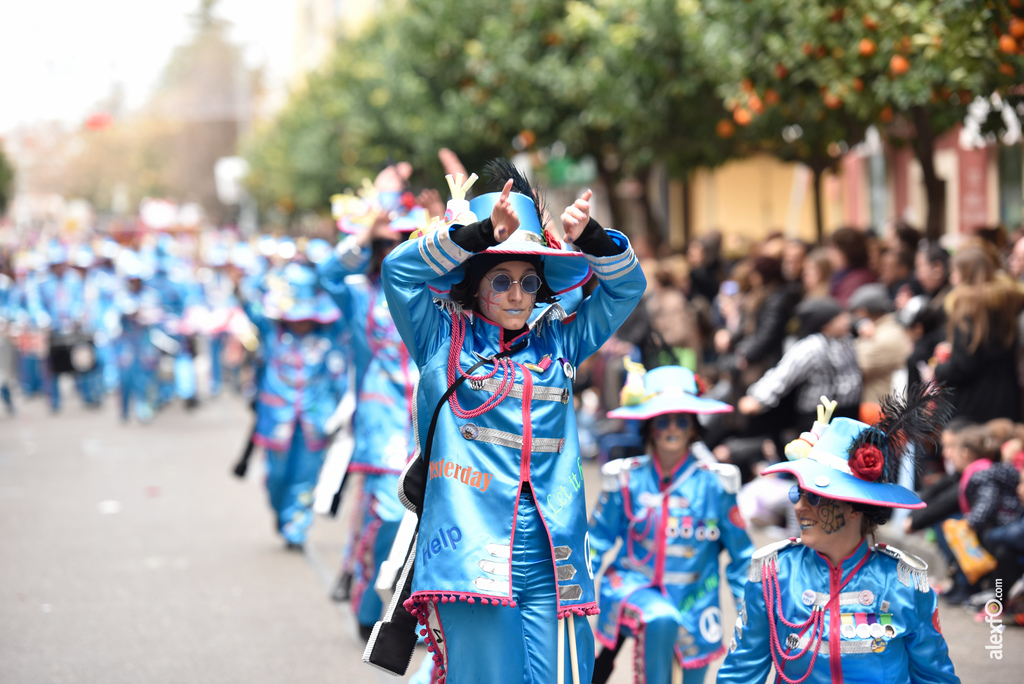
(916, 418)
(498, 171)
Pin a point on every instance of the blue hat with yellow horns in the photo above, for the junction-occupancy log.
(848, 460)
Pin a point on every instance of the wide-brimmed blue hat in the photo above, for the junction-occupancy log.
(826, 469)
(295, 295)
(563, 269)
(668, 389)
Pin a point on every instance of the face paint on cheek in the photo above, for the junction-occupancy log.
(831, 518)
(490, 303)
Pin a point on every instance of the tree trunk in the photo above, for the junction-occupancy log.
(652, 223)
(687, 209)
(819, 222)
(935, 187)
(610, 180)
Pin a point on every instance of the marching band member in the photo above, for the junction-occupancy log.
(675, 516)
(502, 559)
(298, 391)
(385, 380)
(829, 606)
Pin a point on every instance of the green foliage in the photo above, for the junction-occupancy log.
(611, 79)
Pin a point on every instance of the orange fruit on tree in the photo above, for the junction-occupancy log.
(1007, 44)
(869, 22)
(747, 85)
(899, 65)
(755, 103)
(1017, 27)
(1006, 69)
(831, 100)
(742, 116)
(725, 129)
(885, 116)
(781, 71)
(858, 84)
(771, 98)
(867, 47)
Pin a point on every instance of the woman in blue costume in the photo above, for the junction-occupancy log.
(502, 559)
(829, 606)
(675, 515)
(385, 384)
(298, 390)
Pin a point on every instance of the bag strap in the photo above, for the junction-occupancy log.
(451, 390)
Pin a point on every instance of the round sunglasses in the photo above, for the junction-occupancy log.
(663, 422)
(812, 499)
(503, 282)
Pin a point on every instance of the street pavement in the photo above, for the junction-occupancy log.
(129, 553)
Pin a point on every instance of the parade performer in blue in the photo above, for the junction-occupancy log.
(675, 515)
(829, 606)
(56, 305)
(139, 313)
(298, 390)
(502, 561)
(385, 380)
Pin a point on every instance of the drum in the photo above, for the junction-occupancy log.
(71, 353)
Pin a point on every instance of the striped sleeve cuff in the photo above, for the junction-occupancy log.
(440, 252)
(616, 266)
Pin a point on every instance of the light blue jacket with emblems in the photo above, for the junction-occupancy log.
(673, 527)
(385, 374)
(879, 622)
(481, 462)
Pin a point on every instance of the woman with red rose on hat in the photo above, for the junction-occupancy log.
(829, 606)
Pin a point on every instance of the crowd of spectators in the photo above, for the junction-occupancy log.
(774, 326)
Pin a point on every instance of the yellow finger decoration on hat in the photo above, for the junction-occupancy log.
(457, 187)
(826, 410)
(633, 393)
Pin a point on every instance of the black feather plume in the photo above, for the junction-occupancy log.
(498, 171)
(915, 418)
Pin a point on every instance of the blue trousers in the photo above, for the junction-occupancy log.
(657, 639)
(216, 366)
(375, 542)
(496, 643)
(291, 478)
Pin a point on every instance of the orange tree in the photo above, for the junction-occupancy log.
(609, 78)
(911, 68)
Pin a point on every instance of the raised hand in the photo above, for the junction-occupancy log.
(503, 216)
(576, 216)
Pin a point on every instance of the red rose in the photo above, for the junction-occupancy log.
(866, 462)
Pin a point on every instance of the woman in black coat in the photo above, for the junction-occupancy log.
(981, 367)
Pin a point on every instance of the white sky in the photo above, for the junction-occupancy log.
(58, 58)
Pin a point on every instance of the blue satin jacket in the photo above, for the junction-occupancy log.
(385, 373)
(881, 627)
(301, 382)
(673, 527)
(480, 463)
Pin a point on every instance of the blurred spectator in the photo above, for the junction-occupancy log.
(926, 317)
(849, 255)
(793, 255)
(765, 313)
(896, 271)
(942, 499)
(882, 343)
(817, 274)
(981, 368)
(988, 499)
(822, 362)
(705, 260)
(1015, 262)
